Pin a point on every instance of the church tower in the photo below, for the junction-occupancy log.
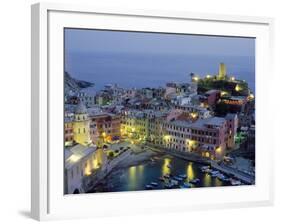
(222, 71)
(81, 125)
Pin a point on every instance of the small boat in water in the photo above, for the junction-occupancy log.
(178, 178)
(221, 177)
(174, 182)
(187, 185)
(207, 170)
(155, 184)
(167, 176)
(183, 176)
(195, 181)
(148, 187)
(168, 185)
(235, 182)
(215, 173)
(203, 168)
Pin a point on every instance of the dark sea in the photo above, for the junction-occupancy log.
(153, 70)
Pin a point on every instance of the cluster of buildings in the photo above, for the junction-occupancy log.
(187, 117)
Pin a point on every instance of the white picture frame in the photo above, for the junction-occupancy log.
(48, 201)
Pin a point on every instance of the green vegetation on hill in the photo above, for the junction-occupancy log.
(234, 88)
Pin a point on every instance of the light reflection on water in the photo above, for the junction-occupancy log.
(137, 177)
(165, 168)
(190, 171)
(207, 180)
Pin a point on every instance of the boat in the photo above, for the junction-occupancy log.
(214, 175)
(203, 168)
(221, 177)
(174, 182)
(154, 184)
(187, 184)
(235, 182)
(207, 170)
(183, 176)
(148, 187)
(166, 176)
(215, 172)
(178, 178)
(195, 181)
(168, 185)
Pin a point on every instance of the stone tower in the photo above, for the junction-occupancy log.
(222, 71)
(81, 125)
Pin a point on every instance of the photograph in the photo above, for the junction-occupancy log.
(157, 111)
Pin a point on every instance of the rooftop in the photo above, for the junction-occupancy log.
(76, 153)
(200, 123)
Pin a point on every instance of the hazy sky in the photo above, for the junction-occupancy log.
(81, 40)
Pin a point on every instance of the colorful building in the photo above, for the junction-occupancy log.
(68, 132)
(206, 137)
(105, 127)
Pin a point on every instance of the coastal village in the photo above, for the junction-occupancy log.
(209, 119)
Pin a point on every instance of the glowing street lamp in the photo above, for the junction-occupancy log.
(166, 137)
(238, 88)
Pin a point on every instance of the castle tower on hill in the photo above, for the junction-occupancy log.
(81, 125)
(222, 71)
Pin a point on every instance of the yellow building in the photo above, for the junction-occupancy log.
(81, 125)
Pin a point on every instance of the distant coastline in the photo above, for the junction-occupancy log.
(128, 70)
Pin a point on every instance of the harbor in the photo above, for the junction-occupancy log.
(164, 172)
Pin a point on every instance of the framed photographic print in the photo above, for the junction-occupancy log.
(148, 111)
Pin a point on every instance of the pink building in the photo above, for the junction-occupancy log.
(105, 127)
(206, 137)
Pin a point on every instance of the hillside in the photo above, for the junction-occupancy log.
(72, 84)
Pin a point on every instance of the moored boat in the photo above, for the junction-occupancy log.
(195, 181)
(187, 185)
(155, 184)
(183, 176)
(148, 187)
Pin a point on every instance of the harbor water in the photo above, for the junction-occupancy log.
(136, 178)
